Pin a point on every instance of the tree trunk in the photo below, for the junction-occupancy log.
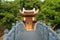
(2, 28)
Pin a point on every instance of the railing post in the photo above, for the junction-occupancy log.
(13, 26)
(5, 34)
(43, 25)
(45, 31)
(49, 25)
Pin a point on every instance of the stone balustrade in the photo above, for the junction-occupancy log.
(18, 31)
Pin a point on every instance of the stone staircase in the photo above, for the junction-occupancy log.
(30, 35)
(42, 32)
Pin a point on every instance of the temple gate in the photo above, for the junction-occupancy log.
(29, 18)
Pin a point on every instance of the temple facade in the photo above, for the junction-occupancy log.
(29, 18)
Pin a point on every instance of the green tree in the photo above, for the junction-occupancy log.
(9, 13)
(50, 11)
(29, 4)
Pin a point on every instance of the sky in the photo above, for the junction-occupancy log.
(13, 0)
(9, 0)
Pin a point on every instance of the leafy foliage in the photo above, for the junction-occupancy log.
(49, 11)
(9, 13)
(29, 4)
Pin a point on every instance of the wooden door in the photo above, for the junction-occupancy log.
(29, 25)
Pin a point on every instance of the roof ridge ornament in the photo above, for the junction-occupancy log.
(33, 10)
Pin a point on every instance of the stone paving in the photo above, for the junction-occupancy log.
(30, 35)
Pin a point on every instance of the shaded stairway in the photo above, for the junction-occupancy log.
(41, 32)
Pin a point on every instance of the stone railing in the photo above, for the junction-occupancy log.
(14, 33)
(46, 32)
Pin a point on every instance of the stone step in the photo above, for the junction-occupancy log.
(30, 35)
